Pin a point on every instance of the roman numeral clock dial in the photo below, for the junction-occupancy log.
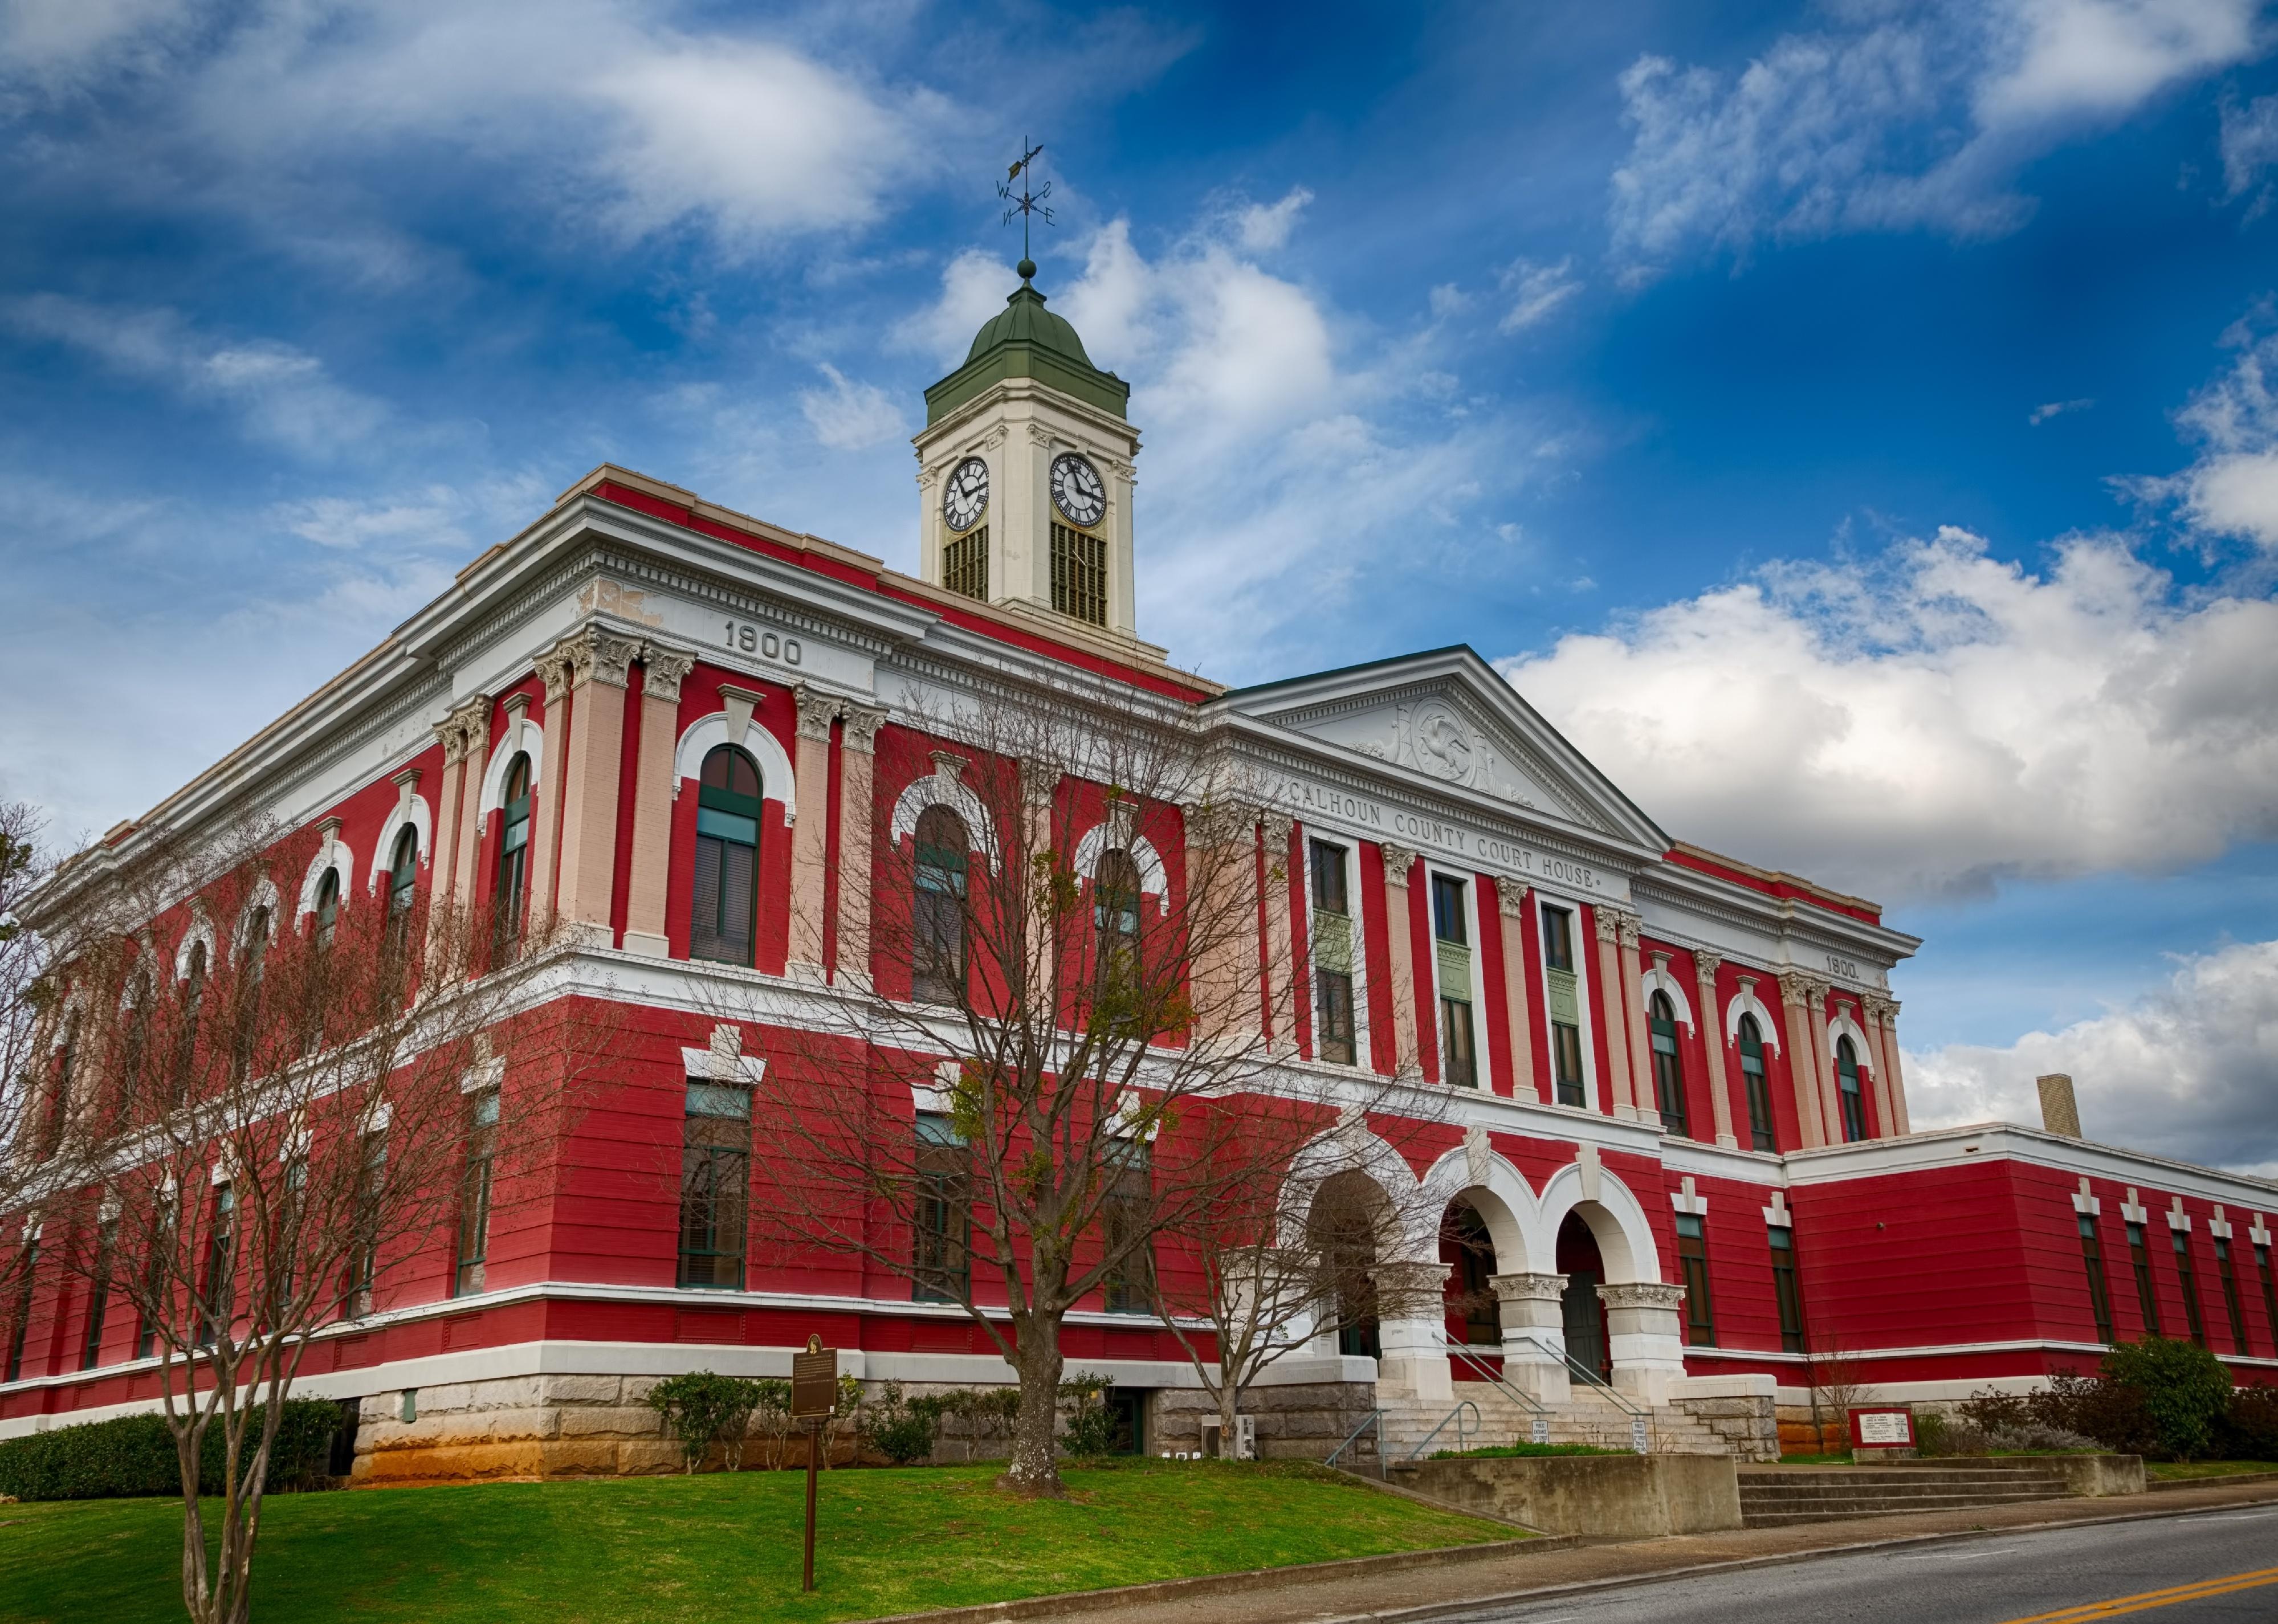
(965, 497)
(1077, 491)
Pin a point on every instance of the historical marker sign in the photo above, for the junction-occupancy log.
(813, 1381)
(1881, 1429)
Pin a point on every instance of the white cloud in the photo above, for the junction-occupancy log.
(850, 415)
(281, 394)
(1536, 291)
(2249, 150)
(2058, 409)
(2232, 488)
(611, 111)
(2183, 1071)
(1905, 117)
(1924, 722)
(433, 517)
(54, 40)
(973, 288)
(1264, 227)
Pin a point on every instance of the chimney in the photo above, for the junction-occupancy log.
(2059, 1112)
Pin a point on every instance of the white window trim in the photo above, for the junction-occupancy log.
(706, 734)
(1363, 1060)
(333, 857)
(1656, 980)
(1745, 1002)
(1585, 1002)
(522, 736)
(1097, 842)
(413, 814)
(1482, 1071)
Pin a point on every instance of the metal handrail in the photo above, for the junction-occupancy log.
(1455, 1416)
(1374, 1418)
(1592, 1377)
(1490, 1373)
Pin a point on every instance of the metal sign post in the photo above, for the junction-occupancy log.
(813, 1396)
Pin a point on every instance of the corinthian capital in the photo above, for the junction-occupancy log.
(1510, 897)
(817, 710)
(1397, 861)
(1802, 989)
(589, 654)
(664, 669)
(1278, 830)
(862, 724)
(1706, 962)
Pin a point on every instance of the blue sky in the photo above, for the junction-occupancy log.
(1852, 423)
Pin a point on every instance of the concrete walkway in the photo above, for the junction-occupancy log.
(1427, 1593)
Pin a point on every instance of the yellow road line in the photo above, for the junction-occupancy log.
(2146, 1600)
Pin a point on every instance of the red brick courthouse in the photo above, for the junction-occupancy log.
(1665, 1087)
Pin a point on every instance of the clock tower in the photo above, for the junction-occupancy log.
(1025, 474)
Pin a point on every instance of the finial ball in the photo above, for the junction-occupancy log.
(1027, 267)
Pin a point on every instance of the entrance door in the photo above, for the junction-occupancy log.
(1587, 1343)
(1128, 1406)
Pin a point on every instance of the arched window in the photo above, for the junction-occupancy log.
(1847, 1082)
(727, 859)
(1115, 917)
(1668, 1074)
(506, 897)
(937, 908)
(1758, 1084)
(403, 874)
(252, 958)
(328, 907)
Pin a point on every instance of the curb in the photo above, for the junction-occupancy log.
(2170, 1486)
(1233, 1583)
(1441, 1610)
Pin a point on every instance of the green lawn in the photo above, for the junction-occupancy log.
(2205, 1468)
(715, 1547)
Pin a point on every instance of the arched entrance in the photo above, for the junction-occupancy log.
(1587, 1341)
(1474, 1318)
(1341, 1228)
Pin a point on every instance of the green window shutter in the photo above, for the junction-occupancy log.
(1565, 1005)
(1333, 941)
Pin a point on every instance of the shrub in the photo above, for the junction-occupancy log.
(2248, 1429)
(134, 1455)
(1091, 1427)
(699, 1408)
(898, 1428)
(2036, 1437)
(2185, 1390)
(2110, 1414)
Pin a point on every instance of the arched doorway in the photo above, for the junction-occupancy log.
(1468, 1249)
(1341, 1228)
(1587, 1344)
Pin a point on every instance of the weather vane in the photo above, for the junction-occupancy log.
(1025, 203)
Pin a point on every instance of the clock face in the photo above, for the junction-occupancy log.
(1077, 491)
(965, 498)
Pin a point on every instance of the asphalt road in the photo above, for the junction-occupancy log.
(2056, 1576)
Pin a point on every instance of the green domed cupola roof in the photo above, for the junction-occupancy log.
(1024, 339)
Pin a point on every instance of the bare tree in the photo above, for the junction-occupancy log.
(1838, 1387)
(1277, 1253)
(277, 1111)
(1068, 1041)
(29, 1029)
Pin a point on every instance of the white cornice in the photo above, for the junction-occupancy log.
(1994, 1141)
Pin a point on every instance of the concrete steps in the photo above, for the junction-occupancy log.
(1588, 1418)
(1776, 1497)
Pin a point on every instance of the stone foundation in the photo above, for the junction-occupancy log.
(533, 1428)
(1747, 1422)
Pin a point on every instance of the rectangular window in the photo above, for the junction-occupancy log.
(1449, 923)
(2091, 1255)
(2229, 1275)
(716, 1174)
(20, 1315)
(474, 1194)
(943, 1259)
(1784, 1288)
(98, 1296)
(1565, 1006)
(964, 564)
(1328, 872)
(1079, 575)
(1668, 1074)
(2270, 1288)
(1333, 1017)
(1130, 1284)
(1458, 1065)
(218, 1292)
(2191, 1317)
(727, 890)
(2147, 1297)
(1693, 1258)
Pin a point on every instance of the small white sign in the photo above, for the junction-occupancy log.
(1885, 1429)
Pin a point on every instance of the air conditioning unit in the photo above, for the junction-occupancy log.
(1245, 1438)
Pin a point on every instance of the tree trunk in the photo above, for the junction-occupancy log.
(1229, 1397)
(1034, 1469)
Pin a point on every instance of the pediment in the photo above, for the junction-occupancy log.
(1447, 716)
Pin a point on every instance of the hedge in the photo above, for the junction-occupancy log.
(134, 1455)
